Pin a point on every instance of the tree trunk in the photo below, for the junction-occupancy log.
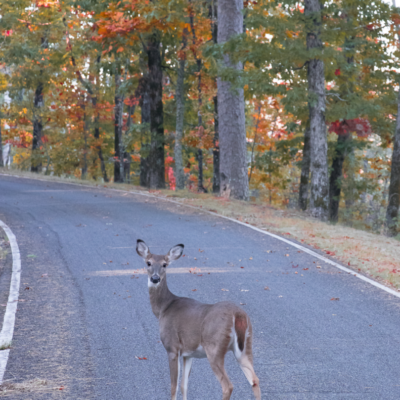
(305, 171)
(145, 146)
(97, 125)
(1, 149)
(231, 116)
(335, 179)
(156, 156)
(37, 129)
(213, 12)
(216, 172)
(97, 136)
(85, 135)
(180, 113)
(127, 155)
(319, 199)
(392, 212)
(118, 146)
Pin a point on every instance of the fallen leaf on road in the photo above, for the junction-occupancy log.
(194, 290)
(335, 298)
(241, 267)
(295, 266)
(225, 290)
(250, 258)
(305, 269)
(267, 288)
(318, 266)
(140, 358)
(296, 272)
(286, 255)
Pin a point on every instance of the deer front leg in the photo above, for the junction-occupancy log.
(187, 366)
(174, 372)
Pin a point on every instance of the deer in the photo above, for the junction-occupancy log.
(191, 329)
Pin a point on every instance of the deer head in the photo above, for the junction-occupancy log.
(156, 264)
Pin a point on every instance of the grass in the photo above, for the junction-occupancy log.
(5, 346)
(373, 255)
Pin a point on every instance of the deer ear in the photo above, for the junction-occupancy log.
(175, 252)
(142, 249)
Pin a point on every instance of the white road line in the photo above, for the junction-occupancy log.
(7, 331)
(297, 246)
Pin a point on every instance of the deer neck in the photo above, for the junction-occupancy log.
(160, 297)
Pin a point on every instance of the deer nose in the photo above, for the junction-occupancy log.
(155, 279)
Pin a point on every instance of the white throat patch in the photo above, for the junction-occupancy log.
(150, 284)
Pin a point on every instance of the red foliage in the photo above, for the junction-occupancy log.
(337, 72)
(358, 125)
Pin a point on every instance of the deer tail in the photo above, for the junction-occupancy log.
(241, 327)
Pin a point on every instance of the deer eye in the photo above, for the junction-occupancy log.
(148, 263)
(165, 265)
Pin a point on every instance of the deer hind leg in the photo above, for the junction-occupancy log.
(187, 367)
(217, 364)
(174, 371)
(245, 360)
(247, 367)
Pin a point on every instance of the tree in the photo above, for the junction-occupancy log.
(305, 171)
(392, 212)
(319, 199)
(231, 117)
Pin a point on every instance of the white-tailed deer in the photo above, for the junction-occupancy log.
(192, 329)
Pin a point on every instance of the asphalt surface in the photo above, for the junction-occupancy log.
(85, 317)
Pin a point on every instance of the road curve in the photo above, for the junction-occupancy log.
(84, 314)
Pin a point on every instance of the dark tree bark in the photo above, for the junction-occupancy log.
(38, 104)
(145, 146)
(127, 155)
(97, 136)
(319, 199)
(342, 149)
(155, 76)
(305, 171)
(200, 186)
(118, 109)
(85, 136)
(216, 171)
(231, 116)
(1, 149)
(213, 12)
(37, 129)
(93, 98)
(180, 114)
(392, 212)
(335, 179)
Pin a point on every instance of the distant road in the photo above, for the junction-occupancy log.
(84, 314)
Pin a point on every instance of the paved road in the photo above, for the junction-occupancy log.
(86, 315)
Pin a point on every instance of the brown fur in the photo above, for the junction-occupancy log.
(186, 325)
